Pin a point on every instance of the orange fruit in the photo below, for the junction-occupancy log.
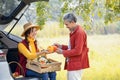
(52, 49)
(15, 74)
(42, 62)
(55, 48)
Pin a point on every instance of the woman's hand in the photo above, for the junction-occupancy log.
(42, 53)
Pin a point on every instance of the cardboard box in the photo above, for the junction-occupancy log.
(42, 68)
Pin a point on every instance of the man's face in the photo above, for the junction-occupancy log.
(69, 25)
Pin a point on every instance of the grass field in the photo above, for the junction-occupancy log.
(104, 53)
(104, 56)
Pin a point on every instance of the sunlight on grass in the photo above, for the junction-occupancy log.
(104, 52)
(104, 57)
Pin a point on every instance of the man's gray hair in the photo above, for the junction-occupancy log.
(70, 17)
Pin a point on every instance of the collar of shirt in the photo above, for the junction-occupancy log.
(31, 40)
(71, 33)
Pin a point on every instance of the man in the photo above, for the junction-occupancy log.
(76, 53)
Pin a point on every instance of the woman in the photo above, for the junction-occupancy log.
(28, 50)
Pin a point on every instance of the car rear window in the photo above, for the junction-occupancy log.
(8, 6)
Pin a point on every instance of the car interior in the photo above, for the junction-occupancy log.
(9, 9)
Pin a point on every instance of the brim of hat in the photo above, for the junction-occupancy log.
(35, 26)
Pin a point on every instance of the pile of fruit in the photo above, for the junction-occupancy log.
(43, 59)
(16, 75)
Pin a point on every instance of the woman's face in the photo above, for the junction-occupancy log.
(33, 33)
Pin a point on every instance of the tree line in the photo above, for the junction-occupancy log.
(95, 14)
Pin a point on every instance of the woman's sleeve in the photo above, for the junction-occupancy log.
(22, 49)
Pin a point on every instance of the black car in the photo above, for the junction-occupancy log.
(9, 10)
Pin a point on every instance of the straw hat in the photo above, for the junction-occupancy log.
(28, 26)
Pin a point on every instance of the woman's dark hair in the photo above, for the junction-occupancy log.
(27, 33)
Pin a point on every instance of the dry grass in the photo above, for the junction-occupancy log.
(104, 54)
(104, 57)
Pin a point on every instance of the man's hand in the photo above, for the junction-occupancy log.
(59, 51)
(58, 45)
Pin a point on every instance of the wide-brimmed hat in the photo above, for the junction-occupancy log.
(28, 26)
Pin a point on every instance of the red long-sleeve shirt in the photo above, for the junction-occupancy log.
(78, 54)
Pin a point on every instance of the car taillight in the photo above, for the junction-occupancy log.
(2, 55)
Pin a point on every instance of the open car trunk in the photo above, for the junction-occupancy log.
(9, 9)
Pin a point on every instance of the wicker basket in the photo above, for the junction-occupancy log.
(21, 69)
(42, 68)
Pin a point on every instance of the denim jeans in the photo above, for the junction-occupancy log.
(42, 76)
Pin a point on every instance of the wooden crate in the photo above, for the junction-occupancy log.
(42, 68)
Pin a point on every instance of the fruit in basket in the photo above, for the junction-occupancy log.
(15, 74)
(52, 49)
(42, 60)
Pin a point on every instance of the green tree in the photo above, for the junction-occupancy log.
(112, 11)
(42, 13)
(88, 10)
